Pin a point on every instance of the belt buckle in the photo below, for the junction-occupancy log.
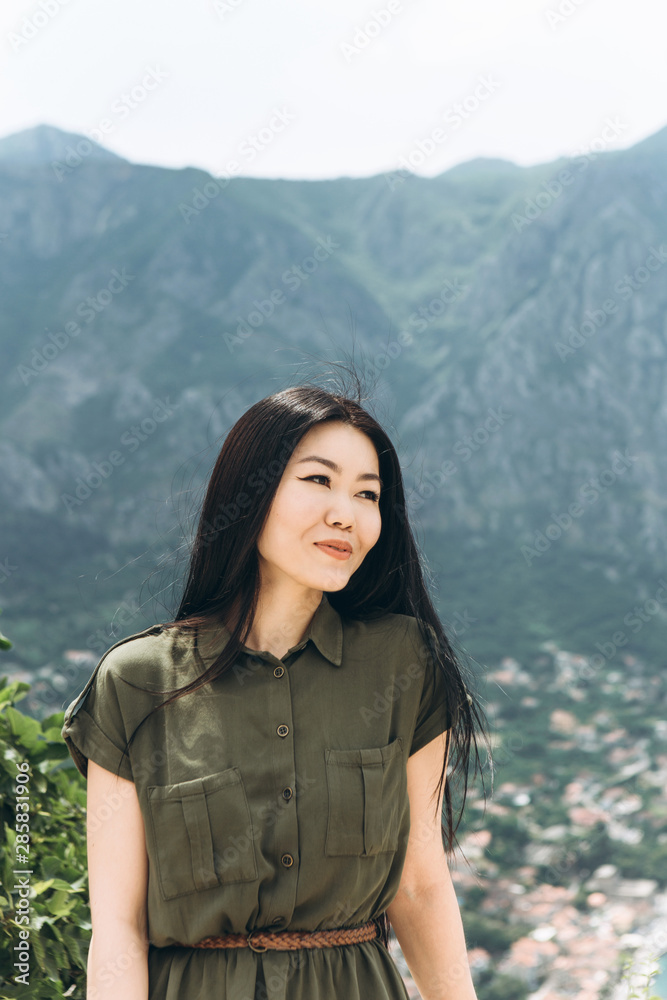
(257, 948)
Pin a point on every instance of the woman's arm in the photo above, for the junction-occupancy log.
(118, 881)
(425, 912)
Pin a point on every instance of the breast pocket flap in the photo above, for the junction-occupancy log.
(364, 788)
(202, 833)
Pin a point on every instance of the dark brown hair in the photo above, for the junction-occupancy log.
(223, 570)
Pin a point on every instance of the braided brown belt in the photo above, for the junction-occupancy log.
(291, 940)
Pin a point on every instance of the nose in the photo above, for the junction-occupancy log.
(340, 524)
(340, 518)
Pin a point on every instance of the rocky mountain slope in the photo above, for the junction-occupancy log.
(510, 321)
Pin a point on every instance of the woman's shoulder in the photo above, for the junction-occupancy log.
(388, 630)
(155, 658)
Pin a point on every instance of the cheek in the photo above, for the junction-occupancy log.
(293, 510)
(372, 526)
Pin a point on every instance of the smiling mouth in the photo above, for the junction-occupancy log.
(338, 552)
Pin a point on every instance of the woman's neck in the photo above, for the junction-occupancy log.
(281, 621)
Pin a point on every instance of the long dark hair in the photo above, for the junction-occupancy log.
(222, 583)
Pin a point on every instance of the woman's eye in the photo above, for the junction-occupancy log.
(307, 478)
(375, 497)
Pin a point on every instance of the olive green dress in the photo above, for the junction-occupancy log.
(273, 798)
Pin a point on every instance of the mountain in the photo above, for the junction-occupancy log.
(46, 144)
(511, 322)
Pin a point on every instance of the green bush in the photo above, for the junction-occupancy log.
(500, 987)
(4, 641)
(491, 933)
(58, 924)
(509, 839)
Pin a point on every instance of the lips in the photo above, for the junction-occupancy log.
(335, 548)
(336, 543)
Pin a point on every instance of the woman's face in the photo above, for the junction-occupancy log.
(329, 491)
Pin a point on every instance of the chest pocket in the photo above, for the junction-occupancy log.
(202, 832)
(367, 791)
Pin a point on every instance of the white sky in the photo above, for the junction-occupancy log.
(227, 64)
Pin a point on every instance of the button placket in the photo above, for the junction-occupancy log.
(285, 828)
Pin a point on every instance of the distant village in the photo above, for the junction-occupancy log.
(585, 929)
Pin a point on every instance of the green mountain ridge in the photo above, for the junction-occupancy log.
(465, 297)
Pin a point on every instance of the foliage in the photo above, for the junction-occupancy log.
(500, 987)
(59, 917)
(494, 935)
(579, 856)
(4, 641)
(639, 980)
(509, 838)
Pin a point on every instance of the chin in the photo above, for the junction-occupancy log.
(330, 582)
(332, 586)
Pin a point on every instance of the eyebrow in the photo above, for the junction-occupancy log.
(336, 468)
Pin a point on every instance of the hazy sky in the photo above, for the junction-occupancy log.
(308, 89)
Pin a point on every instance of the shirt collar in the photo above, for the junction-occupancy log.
(325, 631)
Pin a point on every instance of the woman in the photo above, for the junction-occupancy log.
(299, 786)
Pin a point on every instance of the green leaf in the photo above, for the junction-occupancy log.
(14, 691)
(26, 729)
(39, 887)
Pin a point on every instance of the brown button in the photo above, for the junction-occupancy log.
(278, 671)
(282, 730)
(287, 860)
(277, 920)
(287, 793)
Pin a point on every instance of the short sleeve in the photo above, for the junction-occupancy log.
(434, 715)
(93, 726)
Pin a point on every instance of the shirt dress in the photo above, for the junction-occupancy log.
(274, 797)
